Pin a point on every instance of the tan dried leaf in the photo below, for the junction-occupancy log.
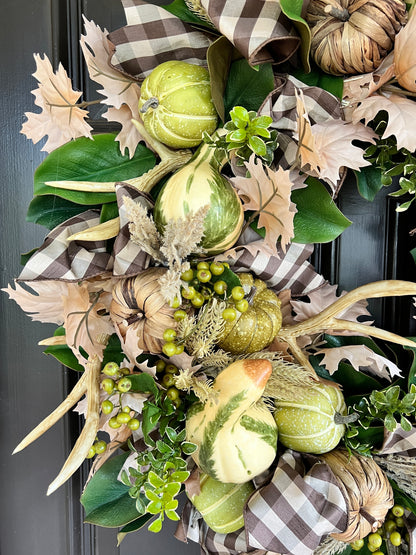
(405, 54)
(60, 118)
(129, 136)
(44, 303)
(360, 356)
(306, 141)
(268, 192)
(401, 120)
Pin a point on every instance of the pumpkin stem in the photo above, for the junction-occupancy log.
(347, 419)
(151, 103)
(341, 14)
(251, 294)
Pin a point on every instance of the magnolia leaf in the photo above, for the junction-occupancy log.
(318, 220)
(63, 353)
(268, 192)
(106, 500)
(316, 78)
(219, 57)
(86, 160)
(246, 86)
(359, 356)
(50, 210)
(293, 10)
(60, 118)
(401, 112)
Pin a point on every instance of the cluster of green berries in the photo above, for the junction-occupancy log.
(202, 284)
(166, 375)
(393, 531)
(98, 447)
(117, 382)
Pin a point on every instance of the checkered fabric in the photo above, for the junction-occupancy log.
(153, 36)
(60, 259)
(299, 507)
(399, 442)
(129, 258)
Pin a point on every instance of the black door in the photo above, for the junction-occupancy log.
(375, 247)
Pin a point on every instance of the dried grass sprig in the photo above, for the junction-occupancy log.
(330, 546)
(143, 229)
(400, 469)
(202, 387)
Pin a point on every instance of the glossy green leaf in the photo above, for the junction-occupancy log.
(50, 210)
(318, 219)
(133, 526)
(219, 58)
(293, 10)
(109, 211)
(353, 381)
(413, 254)
(247, 87)
(63, 353)
(143, 383)
(412, 370)
(368, 182)
(90, 160)
(106, 500)
(316, 78)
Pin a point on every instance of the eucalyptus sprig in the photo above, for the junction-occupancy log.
(161, 465)
(247, 133)
(387, 407)
(393, 162)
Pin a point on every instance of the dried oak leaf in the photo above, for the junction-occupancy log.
(121, 91)
(268, 192)
(60, 118)
(83, 322)
(45, 303)
(401, 112)
(360, 356)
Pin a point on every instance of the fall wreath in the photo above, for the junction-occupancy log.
(213, 358)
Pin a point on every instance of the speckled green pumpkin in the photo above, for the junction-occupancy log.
(255, 329)
(221, 505)
(308, 424)
(178, 106)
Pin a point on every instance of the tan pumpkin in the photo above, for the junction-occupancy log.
(138, 302)
(353, 36)
(256, 328)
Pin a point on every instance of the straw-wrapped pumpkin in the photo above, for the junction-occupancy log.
(353, 36)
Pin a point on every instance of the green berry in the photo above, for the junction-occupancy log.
(100, 447)
(202, 266)
(126, 409)
(378, 553)
(242, 305)
(113, 423)
(400, 522)
(237, 293)
(229, 314)
(216, 268)
(171, 369)
(179, 349)
(111, 369)
(124, 385)
(169, 334)
(389, 526)
(108, 385)
(168, 380)
(123, 417)
(203, 276)
(189, 293)
(395, 538)
(357, 545)
(175, 303)
(198, 300)
(188, 275)
(375, 540)
(160, 366)
(91, 453)
(107, 406)
(220, 287)
(179, 315)
(169, 349)
(124, 371)
(172, 393)
(133, 424)
(398, 510)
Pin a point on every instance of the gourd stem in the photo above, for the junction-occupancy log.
(348, 419)
(341, 14)
(151, 103)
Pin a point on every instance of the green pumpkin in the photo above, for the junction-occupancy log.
(307, 424)
(256, 328)
(176, 104)
(197, 184)
(221, 505)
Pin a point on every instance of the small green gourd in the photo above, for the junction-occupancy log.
(197, 184)
(221, 505)
(309, 422)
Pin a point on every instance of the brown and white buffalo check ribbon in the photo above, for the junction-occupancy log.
(293, 513)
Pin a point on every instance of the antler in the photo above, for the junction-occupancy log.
(88, 384)
(326, 320)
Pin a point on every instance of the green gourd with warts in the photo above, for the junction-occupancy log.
(176, 104)
(197, 184)
(256, 328)
(311, 422)
(236, 436)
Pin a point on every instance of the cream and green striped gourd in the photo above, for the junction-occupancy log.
(197, 184)
(221, 505)
(176, 104)
(236, 436)
(308, 423)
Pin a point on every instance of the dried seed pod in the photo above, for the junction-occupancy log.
(138, 301)
(366, 489)
(353, 36)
